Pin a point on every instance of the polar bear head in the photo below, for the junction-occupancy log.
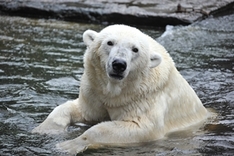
(122, 50)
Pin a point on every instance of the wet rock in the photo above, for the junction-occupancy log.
(133, 12)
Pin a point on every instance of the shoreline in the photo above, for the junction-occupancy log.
(147, 13)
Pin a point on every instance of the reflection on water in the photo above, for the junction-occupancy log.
(40, 67)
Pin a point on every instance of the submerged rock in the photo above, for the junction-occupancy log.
(133, 12)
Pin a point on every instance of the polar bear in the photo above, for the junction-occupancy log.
(132, 90)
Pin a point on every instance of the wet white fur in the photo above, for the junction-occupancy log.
(151, 100)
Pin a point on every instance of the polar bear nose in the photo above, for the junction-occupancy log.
(119, 65)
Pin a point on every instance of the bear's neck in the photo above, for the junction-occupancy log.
(113, 89)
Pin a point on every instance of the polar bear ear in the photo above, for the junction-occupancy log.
(155, 60)
(89, 36)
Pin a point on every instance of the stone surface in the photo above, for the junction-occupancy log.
(133, 12)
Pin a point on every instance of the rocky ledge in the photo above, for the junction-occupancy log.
(133, 12)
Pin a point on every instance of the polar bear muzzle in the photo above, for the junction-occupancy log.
(118, 66)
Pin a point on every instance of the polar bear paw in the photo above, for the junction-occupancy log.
(72, 146)
(49, 127)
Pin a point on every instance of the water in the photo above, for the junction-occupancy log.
(40, 68)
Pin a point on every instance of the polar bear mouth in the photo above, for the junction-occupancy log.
(116, 76)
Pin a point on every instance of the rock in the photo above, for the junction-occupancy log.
(133, 12)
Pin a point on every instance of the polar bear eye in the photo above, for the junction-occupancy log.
(135, 50)
(110, 43)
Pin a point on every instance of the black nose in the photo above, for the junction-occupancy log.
(119, 65)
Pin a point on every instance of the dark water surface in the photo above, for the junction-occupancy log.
(40, 68)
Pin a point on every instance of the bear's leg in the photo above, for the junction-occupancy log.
(111, 133)
(60, 118)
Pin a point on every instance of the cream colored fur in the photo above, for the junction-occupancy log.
(151, 100)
